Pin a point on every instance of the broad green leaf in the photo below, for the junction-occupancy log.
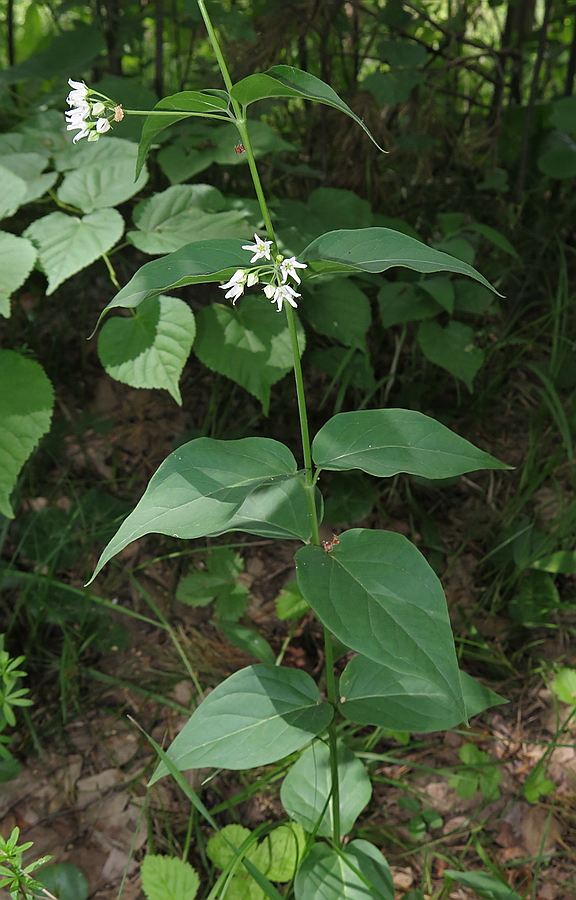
(248, 640)
(472, 297)
(68, 244)
(184, 213)
(564, 114)
(441, 289)
(562, 561)
(484, 883)
(70, 51)
(559, 161)
(378, 595)
(104, 179)
(64, 881)
(279, 853)
(198, 262)
(338, 308)
(384, 442)
(276, 511)
(358, 872)
(199, 487)
(149, 349)
(290, 604)
(564, 686)
(13, 192)
(26, 402)
(248, 343)
(390, 88)
(306, 790)
(372, 693)
(402, 53)
(287, 81)
(181, 105)
(29, 167)
(494, 236)
(401, 301)
(257, 716)
(351, 499)
(220, 852)
(379, 249)
(168, 878)
(17, 256)
(452, 348)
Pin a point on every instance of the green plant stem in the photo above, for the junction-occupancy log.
(332, 737)
(111, 271)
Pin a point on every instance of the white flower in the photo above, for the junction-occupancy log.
(78, 94)
(288, 268)
(102, 125)
(280, 294)
(261, 248)
(236, 285)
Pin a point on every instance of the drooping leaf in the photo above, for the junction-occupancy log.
(452, 348)
(484, 883)
(168, 878)
(149, 349)
(17, 256)
(248, 343)
(200, 261)
(26, 402)
(379, 249)
(358, 872)
(67, 244)
(105, 178)
(306, 790)
(378, 595)
(199, 487)
(181, 105)
(384, 442)
(373, 693)
(256, 716)
(287, 81)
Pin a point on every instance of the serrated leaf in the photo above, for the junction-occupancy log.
(384, 442)
(149, 349)
(200, 487)
(17, 256)
(105, 178)
(379, 249)
(26, 402)
(168, 878)
(256, 716)
(287, 81)
(67, 244)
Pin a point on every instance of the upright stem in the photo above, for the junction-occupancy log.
(332, 737)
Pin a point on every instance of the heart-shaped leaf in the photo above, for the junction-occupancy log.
(358, 872)
(17, 256)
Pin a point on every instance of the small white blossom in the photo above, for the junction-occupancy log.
(78, 94)
(236, 285)
(288, 268)
(281, 293)
(102, 125)
(261, 248)
(86, 116)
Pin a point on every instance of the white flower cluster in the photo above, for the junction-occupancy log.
(278, 291)
(87, 115)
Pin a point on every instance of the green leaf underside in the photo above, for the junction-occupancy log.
(26, 401)
(359, 872)
(67, 244)
(17, 256)
(275, 511)
(149, 349)
(307, 788)
(378, 249)
(288, 81)
(257, 716)
(200, 261)
(200, 487)
(182, 104)
(378, 595)
(375, 694)
(384, 442)
(168, 878)
(485, 884)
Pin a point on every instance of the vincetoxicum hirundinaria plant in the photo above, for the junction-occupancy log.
(373, 590)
